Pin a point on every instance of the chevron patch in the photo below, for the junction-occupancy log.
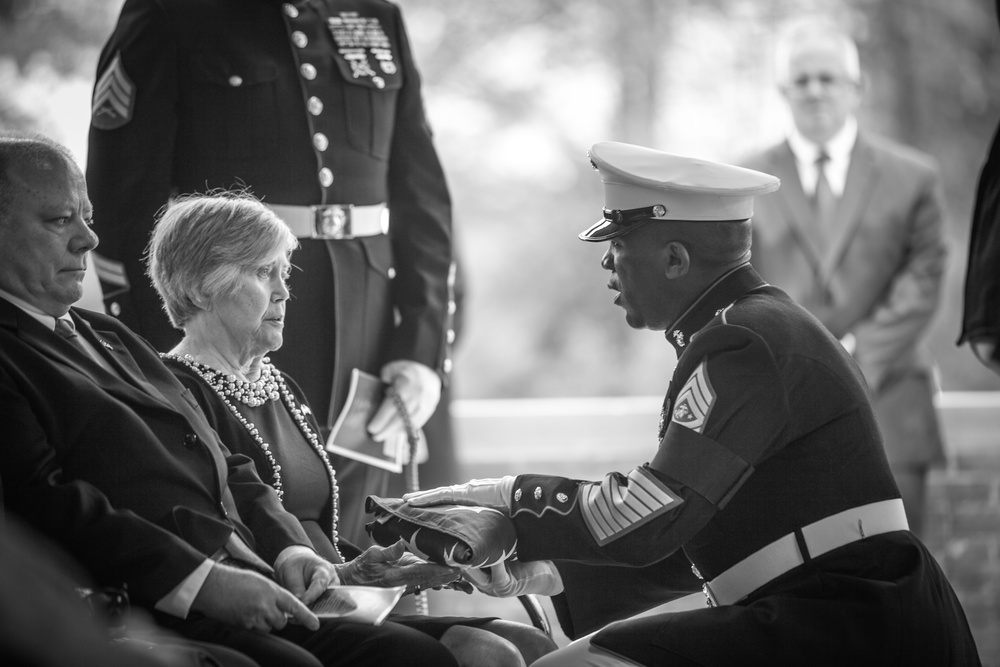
(695, 400)
(621, 504)
(114, 97)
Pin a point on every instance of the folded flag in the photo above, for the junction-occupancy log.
(453, 535)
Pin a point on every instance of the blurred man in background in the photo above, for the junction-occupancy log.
(856, 235)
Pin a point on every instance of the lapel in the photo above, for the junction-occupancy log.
(795, 207)
(861, 181)
(130, 379)
(130, 385)
(47, 342)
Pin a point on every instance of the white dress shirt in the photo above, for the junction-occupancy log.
(838, 149)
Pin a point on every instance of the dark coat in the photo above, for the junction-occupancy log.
(123, 471)
(981, 314)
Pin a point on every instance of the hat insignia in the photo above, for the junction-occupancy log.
(678, 336)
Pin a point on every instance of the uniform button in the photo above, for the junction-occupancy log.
(236, 81)
(451, 336)
(452, 307)
(325, 177)
(308, 71)
(320, 141)
(290, 10)
(299, 39)
(190, 440)
(517, 495)
(115, 308)
(538, 493)
(447, 365)
(315, 106)
(391, 272)
(378, 81)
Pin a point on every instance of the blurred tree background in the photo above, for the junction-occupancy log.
(517, 91)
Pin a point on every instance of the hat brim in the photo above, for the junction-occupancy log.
(605, 229)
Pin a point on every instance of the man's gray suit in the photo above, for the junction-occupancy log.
(875, 277)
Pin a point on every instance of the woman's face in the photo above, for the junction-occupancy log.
(253, 317)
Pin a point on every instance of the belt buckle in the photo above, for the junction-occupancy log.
(332, 222)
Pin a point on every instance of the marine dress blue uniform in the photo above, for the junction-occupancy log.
(770, 482)
(767, 430)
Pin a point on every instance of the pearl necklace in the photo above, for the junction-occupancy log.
(269, 387)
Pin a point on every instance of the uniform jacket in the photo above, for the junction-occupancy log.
(767, 427)
(122, 469)
(878, 278)
(199, 94)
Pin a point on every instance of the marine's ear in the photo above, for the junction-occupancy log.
(676, 260)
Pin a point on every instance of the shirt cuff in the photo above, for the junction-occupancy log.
(178, 601)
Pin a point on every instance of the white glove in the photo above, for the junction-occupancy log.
(513, 577)
(493, 493)
(420, 389)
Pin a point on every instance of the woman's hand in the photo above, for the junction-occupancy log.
(394, 566)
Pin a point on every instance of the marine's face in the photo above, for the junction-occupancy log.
(44, 243)
(253, 317)
(635, 261)
(820, 91)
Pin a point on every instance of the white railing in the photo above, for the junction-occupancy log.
(526, 431)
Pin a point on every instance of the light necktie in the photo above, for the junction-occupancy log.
(824, 200)
(67, 330)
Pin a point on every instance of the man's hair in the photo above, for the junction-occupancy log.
(713, 244)
(203, 243)
(18, 148)
(812, 31)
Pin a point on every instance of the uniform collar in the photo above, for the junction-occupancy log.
(722, 293)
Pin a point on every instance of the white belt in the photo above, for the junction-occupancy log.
(782, 555)
(334, 221)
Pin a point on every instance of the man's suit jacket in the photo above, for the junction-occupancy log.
(877, 276)
(122, 469)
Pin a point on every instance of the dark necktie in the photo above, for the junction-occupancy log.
(823, 198)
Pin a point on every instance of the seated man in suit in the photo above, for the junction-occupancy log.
(107, 454)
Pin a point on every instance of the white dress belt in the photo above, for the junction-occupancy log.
(334, 221)
(782, 555)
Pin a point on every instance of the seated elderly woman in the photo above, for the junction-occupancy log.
(220, 264)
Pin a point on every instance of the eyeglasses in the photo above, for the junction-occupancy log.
(802, 82)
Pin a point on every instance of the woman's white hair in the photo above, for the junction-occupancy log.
(203, 243)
